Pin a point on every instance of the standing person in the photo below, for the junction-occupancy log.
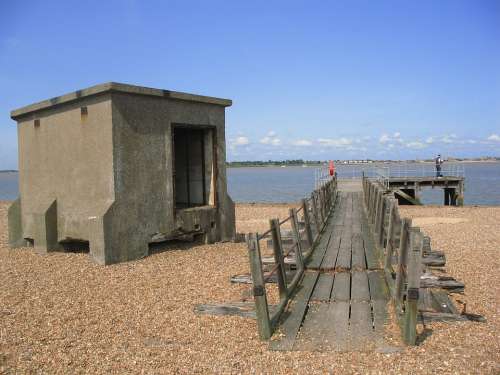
(439, 161)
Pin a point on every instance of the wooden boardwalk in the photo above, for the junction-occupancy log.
(341, 304)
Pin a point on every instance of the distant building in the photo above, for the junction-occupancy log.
(119, 166)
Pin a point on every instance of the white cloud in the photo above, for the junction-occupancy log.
(271, 139)
(302, 142)
(416, 145)
(240, 141)
(265, 140)
(276, 141)
(430, 140)
(384, 138)
(335, 142)
(494, 138)
(450, 138)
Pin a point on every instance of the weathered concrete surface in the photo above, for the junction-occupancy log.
(15, 225)
(97, 165)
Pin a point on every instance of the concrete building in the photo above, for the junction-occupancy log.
(116, 167)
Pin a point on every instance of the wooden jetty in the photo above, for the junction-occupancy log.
(337, 262)
(407, 189)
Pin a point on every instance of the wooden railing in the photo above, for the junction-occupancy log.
(401, 247)
(305, 225)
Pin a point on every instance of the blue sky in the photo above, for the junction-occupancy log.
(312, 80)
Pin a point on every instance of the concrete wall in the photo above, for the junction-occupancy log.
(106, 177)
(67, 160)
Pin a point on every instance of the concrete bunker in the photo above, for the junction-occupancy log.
(119, 167)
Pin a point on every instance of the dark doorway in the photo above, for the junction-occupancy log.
(190, 187)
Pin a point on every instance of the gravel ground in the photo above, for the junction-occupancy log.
(63, 314)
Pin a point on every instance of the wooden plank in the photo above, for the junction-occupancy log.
(278, 257)
(341, 287)
(323, 288)
(319, 251)
(380, 316)
(344, 256)
(414, 270)
(442, 302)
(336, 333)
(358, 252)
(307, 223)
(359, 287)
(246, 278)
(444, 282)
(331, 253)
(361, 327)
(310, 337)
(409, 198)
(378, 286)
(291, 324)
(429, 316)
(371, 254)
(243, 309)
(260, 298)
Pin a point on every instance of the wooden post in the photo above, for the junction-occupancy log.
(259, 288)
(324, 203)
(414, 270)
(454, 195)
(369, 203)
(315, 213)
(460, 197)
(377, 213)
(278, 257)
(390, 236)
(307, 222)
(446, 197)
(374, 203)
(402, 259)
(368, 190)
(321, 199)
(376, 193)
(299, 258)
(381, 220)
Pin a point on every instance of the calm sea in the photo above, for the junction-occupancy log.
(276, 184)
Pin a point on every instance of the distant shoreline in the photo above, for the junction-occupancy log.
(305, 165)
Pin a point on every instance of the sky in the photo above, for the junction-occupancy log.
(315, 80)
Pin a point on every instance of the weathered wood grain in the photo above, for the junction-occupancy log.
(341, 287)
(323, 288)
(358, 252)
(378, 286)
(359, 287)
(361, 332)
(292, 319)
(336, 333)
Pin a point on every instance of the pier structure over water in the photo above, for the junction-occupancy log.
(407, 189)
(407, 184)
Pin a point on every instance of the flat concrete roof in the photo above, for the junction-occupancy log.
(116, 87)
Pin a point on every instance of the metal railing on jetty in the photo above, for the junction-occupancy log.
(305, 225)
(398, 170)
